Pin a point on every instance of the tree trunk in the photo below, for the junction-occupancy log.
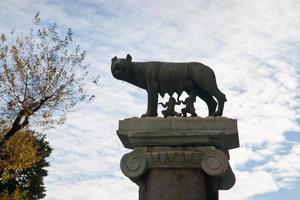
(18, 124)
(22, 119)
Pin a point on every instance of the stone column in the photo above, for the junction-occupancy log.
(179, 158)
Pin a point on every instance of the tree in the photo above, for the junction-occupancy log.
(22, 165)
(42, 77)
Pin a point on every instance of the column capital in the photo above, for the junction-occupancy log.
(212, 161)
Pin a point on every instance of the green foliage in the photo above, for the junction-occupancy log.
(22, 165)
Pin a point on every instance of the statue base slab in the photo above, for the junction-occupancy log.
(179, 158)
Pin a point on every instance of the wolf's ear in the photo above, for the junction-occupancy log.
(128, 58)
(114, 59)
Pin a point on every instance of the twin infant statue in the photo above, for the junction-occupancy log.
(189, 106)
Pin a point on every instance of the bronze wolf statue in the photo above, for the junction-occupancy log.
(168, 77)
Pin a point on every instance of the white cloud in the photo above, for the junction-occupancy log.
(248, 182)
(285, 167)
(99, 189)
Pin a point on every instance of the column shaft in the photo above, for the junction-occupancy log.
(173, 184)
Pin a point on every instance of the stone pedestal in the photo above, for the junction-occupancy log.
(179, 158)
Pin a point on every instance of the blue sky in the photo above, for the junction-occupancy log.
(253, 47)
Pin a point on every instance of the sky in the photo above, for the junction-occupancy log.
(253, 47)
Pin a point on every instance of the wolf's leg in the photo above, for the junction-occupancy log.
(184, 112)
(210, 102)
(152, 101)
(221, 98)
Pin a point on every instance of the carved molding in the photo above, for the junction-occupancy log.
(213, 162)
